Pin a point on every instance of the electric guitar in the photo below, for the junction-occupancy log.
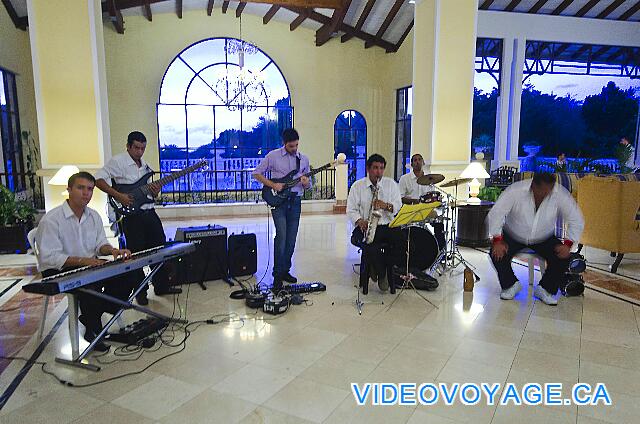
(276, 198)
(140, 191)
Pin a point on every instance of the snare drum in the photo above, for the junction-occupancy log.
(431, 197)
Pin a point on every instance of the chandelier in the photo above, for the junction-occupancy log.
(244, 88)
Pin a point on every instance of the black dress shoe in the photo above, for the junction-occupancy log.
(90, 334)
(289, 278)
(142, 298)
(168, 290)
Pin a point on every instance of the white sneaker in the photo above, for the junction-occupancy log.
(544, 295)
(511, 292)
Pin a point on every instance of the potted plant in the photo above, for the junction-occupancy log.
(16, 220)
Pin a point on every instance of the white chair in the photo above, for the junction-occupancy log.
(31, 237)
(531, 258)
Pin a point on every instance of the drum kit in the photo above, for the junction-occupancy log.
(425, 251)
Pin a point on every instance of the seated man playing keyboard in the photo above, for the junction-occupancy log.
(72, 236)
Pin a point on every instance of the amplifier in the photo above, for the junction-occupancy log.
(243, 256)
(209, 261)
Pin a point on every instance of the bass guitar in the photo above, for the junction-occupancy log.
(140, 191)
(276, 198)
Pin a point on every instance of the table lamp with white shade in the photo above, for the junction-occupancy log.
(61, 178)
(474, 170)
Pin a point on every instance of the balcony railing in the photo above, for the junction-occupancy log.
(232, 186)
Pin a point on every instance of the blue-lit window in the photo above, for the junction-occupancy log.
(350, 138)
(404, 112)
(224, 101)
(11, 163)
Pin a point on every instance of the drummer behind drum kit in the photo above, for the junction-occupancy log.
(425, 253)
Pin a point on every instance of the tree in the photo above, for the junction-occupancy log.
(555, 122)
(609, 115)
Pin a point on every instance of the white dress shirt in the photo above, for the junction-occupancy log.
(410, 188)
(361, 195)
(515, 210)
(60, 235)
(124, 170)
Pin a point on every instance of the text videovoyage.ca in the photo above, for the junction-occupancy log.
(387, 394)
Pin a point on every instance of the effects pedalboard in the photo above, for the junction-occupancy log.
(276, 304)
(134, 333)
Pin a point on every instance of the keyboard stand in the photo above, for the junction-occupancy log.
(77, 358)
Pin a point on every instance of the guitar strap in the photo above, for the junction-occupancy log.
(297, 164)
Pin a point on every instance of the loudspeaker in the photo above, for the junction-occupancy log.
(243, 256)
(209, 261)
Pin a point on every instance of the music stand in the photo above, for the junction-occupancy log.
(408, 216)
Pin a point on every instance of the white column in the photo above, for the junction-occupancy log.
(515, 98)
(502, 107)
(508, 107)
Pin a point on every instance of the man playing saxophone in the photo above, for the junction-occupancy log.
(372, 199)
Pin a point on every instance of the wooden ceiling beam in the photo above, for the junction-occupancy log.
(361, 20)
(302, 16)
(586, 8)
(610, 9)
(146, 11)
(326, 31)
(558, 10)
(13, 15)
(600, 52)
(179, 8)
(615, 54)
(401, 40)
(347, 29)
(304, 4)
(210, 7)
(387, 22)
(629, 13)
(240, 8)
(486, 4)
(270, 14)
(580, 51)
(225, 6)
(116, 16)
(539, 5)
(512, 5)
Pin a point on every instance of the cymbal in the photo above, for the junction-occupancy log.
(456, 181)
(430, 179)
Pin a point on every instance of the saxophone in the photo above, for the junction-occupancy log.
(374, 217)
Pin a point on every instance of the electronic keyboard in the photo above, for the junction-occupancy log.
(80, 277)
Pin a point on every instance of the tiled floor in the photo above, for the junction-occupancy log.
(297, 368)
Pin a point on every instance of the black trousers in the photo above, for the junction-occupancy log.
(144, 231)
(555, 274)
(383, 253)
(438, 232)
(92, 307)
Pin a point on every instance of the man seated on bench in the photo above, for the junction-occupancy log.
(525, 216)
(72, 236)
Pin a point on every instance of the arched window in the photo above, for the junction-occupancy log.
(226, 101)
(350, 138)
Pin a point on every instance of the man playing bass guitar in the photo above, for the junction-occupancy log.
(286, 216)
(142, 230)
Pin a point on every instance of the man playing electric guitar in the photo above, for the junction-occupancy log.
(286, 217)
(142, 230)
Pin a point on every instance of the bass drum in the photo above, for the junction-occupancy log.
(423, 248)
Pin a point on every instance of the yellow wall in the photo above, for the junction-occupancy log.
(443, 85)
(323, 81)
(15, 56)
(454, 80)
(63, 54)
